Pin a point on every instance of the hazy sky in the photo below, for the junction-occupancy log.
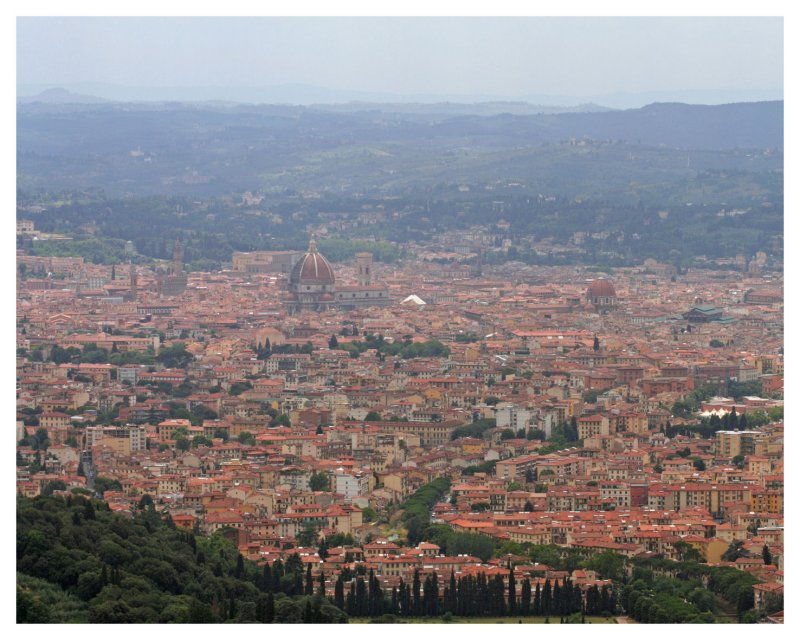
(508, 57)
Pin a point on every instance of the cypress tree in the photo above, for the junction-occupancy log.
(512, 593)
(558, 600)
(266, 578)
(321, 590)
(426, 596)
(277, 574)
(499, 595)
(350, 605)
(481, 595)
(525, 600)
(416, 594)
(537, 601)
(491, 598)
(605, 600)
(577, 599)
(592, 600)
(434, 595)
(461, 596)
(309, 581)
(375, 598)
(297, 588)
(338, 593)
(266, 608)
(547, 598)
(452, 596)
(361, 597)
(612, 601)
(402, 606)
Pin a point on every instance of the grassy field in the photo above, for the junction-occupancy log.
(515, 620)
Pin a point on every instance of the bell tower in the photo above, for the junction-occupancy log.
(177, 259)
(364, 265)
(133, 282)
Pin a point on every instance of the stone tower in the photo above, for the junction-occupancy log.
(177, 259)
(133, 283)
(364, 264)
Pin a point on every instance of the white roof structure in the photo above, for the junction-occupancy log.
(415, 299)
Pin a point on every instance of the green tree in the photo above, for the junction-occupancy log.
(198, 441)
(308, 535)
(319, 481)
(103, 484)
(281, 420)
(590, 396)
(733, 552)
(237, 388)
(368, 514)
(60, 485)
(525, 598)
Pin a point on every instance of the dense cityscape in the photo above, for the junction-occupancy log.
(407, 439)
(399, 320)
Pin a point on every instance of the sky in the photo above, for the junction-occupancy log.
(405, 58)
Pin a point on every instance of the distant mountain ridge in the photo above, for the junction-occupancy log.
(231, 147)
(58, 95)
(61, 96)
(305, 95)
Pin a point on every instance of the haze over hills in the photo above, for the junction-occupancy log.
(305, 94)
(64, 96)
(553, 172)
(377, 147)
(59, 95)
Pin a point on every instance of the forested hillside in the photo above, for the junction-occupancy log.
(79, 562)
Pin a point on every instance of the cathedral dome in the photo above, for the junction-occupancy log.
(312, 268)
(602, 288)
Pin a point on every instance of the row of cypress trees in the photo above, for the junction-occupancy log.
(469, 596)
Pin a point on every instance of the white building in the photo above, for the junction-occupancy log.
(350, 485)
(510, 416)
